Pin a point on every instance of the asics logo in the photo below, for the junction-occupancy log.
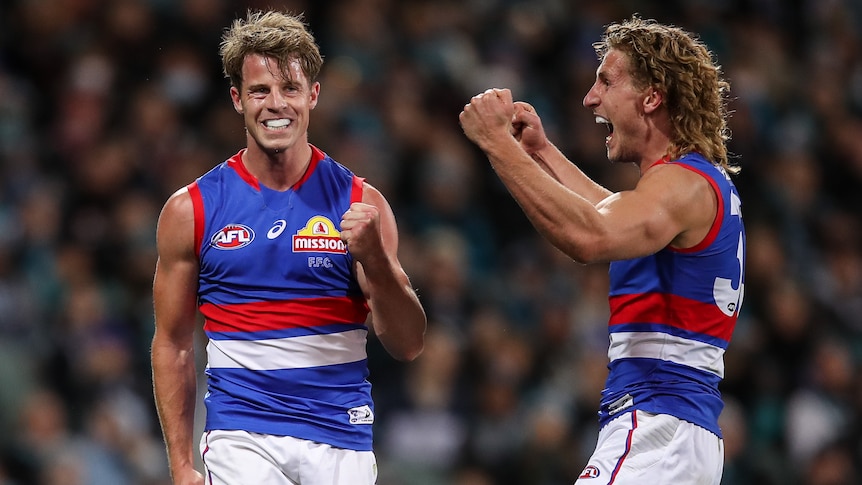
(277, 228)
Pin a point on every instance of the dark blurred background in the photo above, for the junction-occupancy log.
(107, 107)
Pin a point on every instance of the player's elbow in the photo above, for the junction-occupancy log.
(589, 257)
(585, 252)
(581, 246)
(410, 354)
(408, 346)
(404, 350)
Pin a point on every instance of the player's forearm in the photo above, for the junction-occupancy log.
(570, 175)
(398, 317)
(566, 218)
(174, 386)
(400, 326)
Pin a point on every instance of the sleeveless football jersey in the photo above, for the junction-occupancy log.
(672, 316)
(284, 314)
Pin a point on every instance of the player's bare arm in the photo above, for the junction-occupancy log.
(371, 234)
(174, 296)
(568, 220)
(670, 206)
(625, 225)
(621, 226)
(528, 130)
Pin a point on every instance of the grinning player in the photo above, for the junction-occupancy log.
(284, 252)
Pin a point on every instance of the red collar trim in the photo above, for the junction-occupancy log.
(237, 164)
(316, 156)
(661, 161)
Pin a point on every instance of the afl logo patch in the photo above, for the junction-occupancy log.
(232, 236)
(589, 472)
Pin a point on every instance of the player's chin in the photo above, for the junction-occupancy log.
(615, 154)
(274, 146)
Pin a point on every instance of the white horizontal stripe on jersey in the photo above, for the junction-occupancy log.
(288, 353)
(657, 345)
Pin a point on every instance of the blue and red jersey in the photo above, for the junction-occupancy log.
(673, 314)
(284, 314)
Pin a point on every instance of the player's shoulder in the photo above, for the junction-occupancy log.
(179, 204)
(372, 195)
(176, 225)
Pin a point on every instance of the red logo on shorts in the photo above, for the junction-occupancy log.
(589, 472)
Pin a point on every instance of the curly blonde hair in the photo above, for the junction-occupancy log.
(678, 64)
(278, 35)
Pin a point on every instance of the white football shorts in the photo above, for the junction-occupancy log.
(238, 457)
(639, 447)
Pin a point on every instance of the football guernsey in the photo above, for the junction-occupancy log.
(672, 316)
(284, 314)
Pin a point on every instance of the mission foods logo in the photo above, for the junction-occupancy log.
(232, 236)
(319, 236)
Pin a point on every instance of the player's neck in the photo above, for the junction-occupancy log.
(278, 170)
(657, 145)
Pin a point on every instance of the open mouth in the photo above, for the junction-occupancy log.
(604, 121)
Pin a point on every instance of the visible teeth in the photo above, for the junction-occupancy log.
(280, 123)
(604, 121)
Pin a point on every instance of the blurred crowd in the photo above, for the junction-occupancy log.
(109, 106)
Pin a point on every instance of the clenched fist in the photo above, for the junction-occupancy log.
(360, 230)
(488, 117)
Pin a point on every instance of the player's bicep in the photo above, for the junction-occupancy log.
(388, 226)
(635, 226)
(176, 275)
(645, 220)
(388, 233)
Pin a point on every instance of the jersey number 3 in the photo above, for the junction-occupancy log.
(728, 298)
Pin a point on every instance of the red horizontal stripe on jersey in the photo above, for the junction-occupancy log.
(279, 315)
(671, 310)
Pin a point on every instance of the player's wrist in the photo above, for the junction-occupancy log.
(542, 152)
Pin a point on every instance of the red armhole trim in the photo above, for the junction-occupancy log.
(198, 205)
(356, 192)
(719, 215)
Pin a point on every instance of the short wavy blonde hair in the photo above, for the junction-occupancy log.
(278, 35)
(679, 65)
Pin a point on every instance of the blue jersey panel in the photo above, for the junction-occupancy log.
(284, 313)
(672, 316)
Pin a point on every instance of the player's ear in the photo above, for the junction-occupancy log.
(653, 98)
(314, 94)
(234, 97)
